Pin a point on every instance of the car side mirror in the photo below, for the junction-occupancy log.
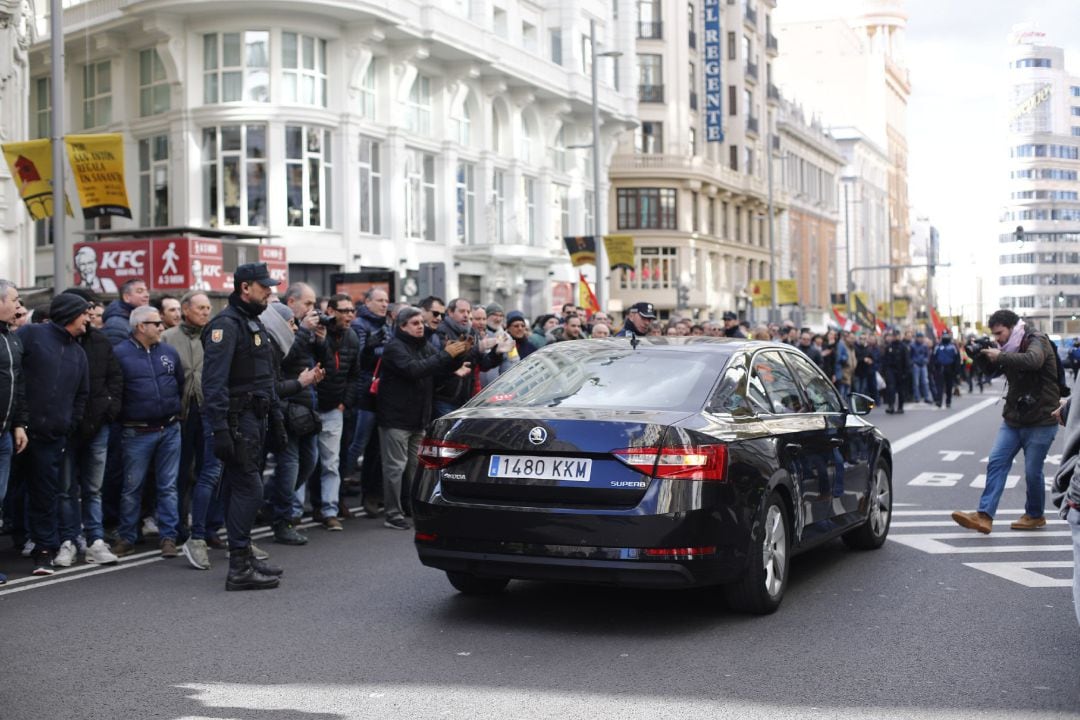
(861, 404)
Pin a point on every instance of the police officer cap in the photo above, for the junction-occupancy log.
(644, 309)
(730, 316)
(254, 272)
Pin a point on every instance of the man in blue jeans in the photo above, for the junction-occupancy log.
(1027, 360)
(153, 379)
(920, 374)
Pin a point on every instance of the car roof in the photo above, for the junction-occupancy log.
(665, 344)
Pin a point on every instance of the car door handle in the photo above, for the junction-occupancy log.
(836, 442)
(793, 448)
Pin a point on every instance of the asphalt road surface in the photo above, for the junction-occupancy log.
(939, 623)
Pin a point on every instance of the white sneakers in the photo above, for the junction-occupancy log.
(149, 527)
(99, 554)
(196, 554)
(65, 555)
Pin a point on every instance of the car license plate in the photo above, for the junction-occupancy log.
(528, 467)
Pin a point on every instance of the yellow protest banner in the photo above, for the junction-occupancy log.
(620, 251)
(97, 163)
(31, 168)
(787, 292)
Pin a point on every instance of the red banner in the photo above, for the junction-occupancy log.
(103, 267)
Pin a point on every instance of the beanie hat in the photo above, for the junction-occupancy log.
(514, 315)
(65, 307)
(494, 308)
(85, 293)
(283, 310)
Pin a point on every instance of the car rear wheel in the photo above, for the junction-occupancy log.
(762, 587)
(871, 534)
(475, 585)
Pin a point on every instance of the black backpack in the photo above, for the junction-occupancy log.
(1063, 385)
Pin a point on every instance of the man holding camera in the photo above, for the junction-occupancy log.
(1028, 361)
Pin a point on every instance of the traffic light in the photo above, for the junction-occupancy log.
(1019, 233)
(683, 298)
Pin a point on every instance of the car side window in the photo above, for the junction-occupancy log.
(772, 387)
(819, 391)
(727, 398)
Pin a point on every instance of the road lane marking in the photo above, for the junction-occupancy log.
(932, 544)
(908, 440)
(1022, 573)
(54, 580)
(1012, 511)
(949, 523)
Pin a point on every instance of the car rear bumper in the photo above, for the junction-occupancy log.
(624, 573)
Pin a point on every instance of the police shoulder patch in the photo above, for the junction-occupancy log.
(217, 335)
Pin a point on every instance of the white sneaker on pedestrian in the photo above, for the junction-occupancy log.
(258, 553)
(98, 553)
(27, 549)
(80, 544)
(65, 555)
(149, 527)
(195, 552)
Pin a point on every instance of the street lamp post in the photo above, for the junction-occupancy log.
(850, 286)
(774, 306)
(56, 41)
(601, 254)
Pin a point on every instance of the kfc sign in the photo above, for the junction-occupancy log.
(276, 262)
(167, 264)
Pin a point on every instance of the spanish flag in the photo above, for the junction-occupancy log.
(586, 297)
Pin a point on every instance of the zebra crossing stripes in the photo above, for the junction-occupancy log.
(933, 532)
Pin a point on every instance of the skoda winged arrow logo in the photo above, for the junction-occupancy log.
(538, 436)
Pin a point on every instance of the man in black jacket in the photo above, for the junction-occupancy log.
(133, 294)
(84, 460)
(455, 385)
(409, 367)
(57, 389)
(896, 363)
(336, 396)
(13, 417)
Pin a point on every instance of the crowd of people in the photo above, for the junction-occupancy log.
(114, 436)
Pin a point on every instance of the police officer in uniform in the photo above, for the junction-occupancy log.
(241, 407)
(638, 319)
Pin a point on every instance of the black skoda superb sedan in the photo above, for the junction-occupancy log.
(651, 462)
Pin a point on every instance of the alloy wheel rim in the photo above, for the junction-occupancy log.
(882, 505)
(774, 550)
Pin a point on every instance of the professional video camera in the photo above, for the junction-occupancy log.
(981, 363)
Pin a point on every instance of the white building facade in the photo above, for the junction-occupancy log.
(1039, 244)
(366, 135)
(851, 69)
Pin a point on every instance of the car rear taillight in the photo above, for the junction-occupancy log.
(435, 454)
(697, 462)
(425, 537)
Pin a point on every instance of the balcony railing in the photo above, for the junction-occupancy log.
(752, 71)
(693, 101)
(773, 93)
(752, 125)
(751, 15)
(772, 45)
(651, 93)
(650, 30)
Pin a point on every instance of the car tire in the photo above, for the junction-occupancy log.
(467, 584)
(762, 586)
(871, 534)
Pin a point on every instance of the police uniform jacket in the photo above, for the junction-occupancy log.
(238, 362)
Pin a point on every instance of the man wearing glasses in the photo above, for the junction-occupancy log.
(434, 311)
(153, 385)
(337, 395)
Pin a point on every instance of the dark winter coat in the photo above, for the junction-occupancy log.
(153, 381)
(373, 333)
(449, 387)
(407, 380)
(1033, 391)
(896, 359)
(116, 317)
(56, 378)
(342, 366)
(12, 386)
(305, 352)
(106, 383)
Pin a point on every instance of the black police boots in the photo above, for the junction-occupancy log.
(244, 573)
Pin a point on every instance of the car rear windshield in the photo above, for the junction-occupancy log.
(621, 378)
